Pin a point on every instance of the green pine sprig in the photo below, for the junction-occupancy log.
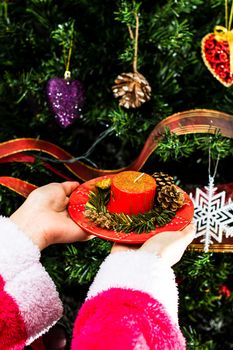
(96, 211)
(98, 200)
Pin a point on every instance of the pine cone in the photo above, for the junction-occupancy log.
(169, 197)
(100, 219)
(132, 89)
(162, 179)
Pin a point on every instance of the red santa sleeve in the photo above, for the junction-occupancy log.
(132, 304)
(29, 301)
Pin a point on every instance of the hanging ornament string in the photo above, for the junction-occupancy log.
(231, 14)
(210, 196)
(213, 212)
(226, 13)
(67, 57)
(132, 88)
(217, 50)
(135, 61)
(65, 96)
(134, 38)
(215, 167)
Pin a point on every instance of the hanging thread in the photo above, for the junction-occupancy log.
(67, 74)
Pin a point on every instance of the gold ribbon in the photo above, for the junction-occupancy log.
(223, 34)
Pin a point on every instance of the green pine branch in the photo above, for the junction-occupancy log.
(96, 211)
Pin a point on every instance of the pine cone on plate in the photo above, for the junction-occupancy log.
(100, 219)
(132, 89)
(170, 197)
(162, 179)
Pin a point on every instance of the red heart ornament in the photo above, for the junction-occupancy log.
(216, 56)
(66, 99)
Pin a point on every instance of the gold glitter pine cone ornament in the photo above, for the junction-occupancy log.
(169, 197)
(132, 89)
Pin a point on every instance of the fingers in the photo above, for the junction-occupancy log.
(69, 186)
(70, 232)
(189, 233)
(186, 236)
(170, 245)
(119, 247)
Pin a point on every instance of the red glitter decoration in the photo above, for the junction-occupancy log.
(216, 55)
(224, 290)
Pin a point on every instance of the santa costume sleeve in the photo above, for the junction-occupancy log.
(131, 305)
(29, 302)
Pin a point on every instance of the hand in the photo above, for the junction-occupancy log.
(169, 245)
(43, 217)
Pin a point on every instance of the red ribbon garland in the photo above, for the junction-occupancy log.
(19, 186)
(187, 122)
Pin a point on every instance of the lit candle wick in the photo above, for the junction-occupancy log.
(137, 178)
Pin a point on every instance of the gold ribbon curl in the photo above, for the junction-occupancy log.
(223, 34)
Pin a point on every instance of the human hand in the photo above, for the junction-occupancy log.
(44, 218)
(169, 245)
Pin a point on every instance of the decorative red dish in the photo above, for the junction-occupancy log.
(80, 197)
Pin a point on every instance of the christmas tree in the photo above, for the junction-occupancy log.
(98, 42)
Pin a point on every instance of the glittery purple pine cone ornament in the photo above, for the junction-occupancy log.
(66, 99)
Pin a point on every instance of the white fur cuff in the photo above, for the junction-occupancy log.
(17, 252)
(26, 280)
(139, 271)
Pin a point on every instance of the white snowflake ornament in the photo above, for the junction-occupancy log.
(213, 214)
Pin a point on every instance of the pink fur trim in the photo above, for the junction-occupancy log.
(127, 320)
(2, 283)
(13, 333)
(27, 282)
(37, 298)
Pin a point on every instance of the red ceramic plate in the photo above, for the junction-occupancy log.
(76, 208)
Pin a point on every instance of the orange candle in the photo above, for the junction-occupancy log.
(132, 193)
